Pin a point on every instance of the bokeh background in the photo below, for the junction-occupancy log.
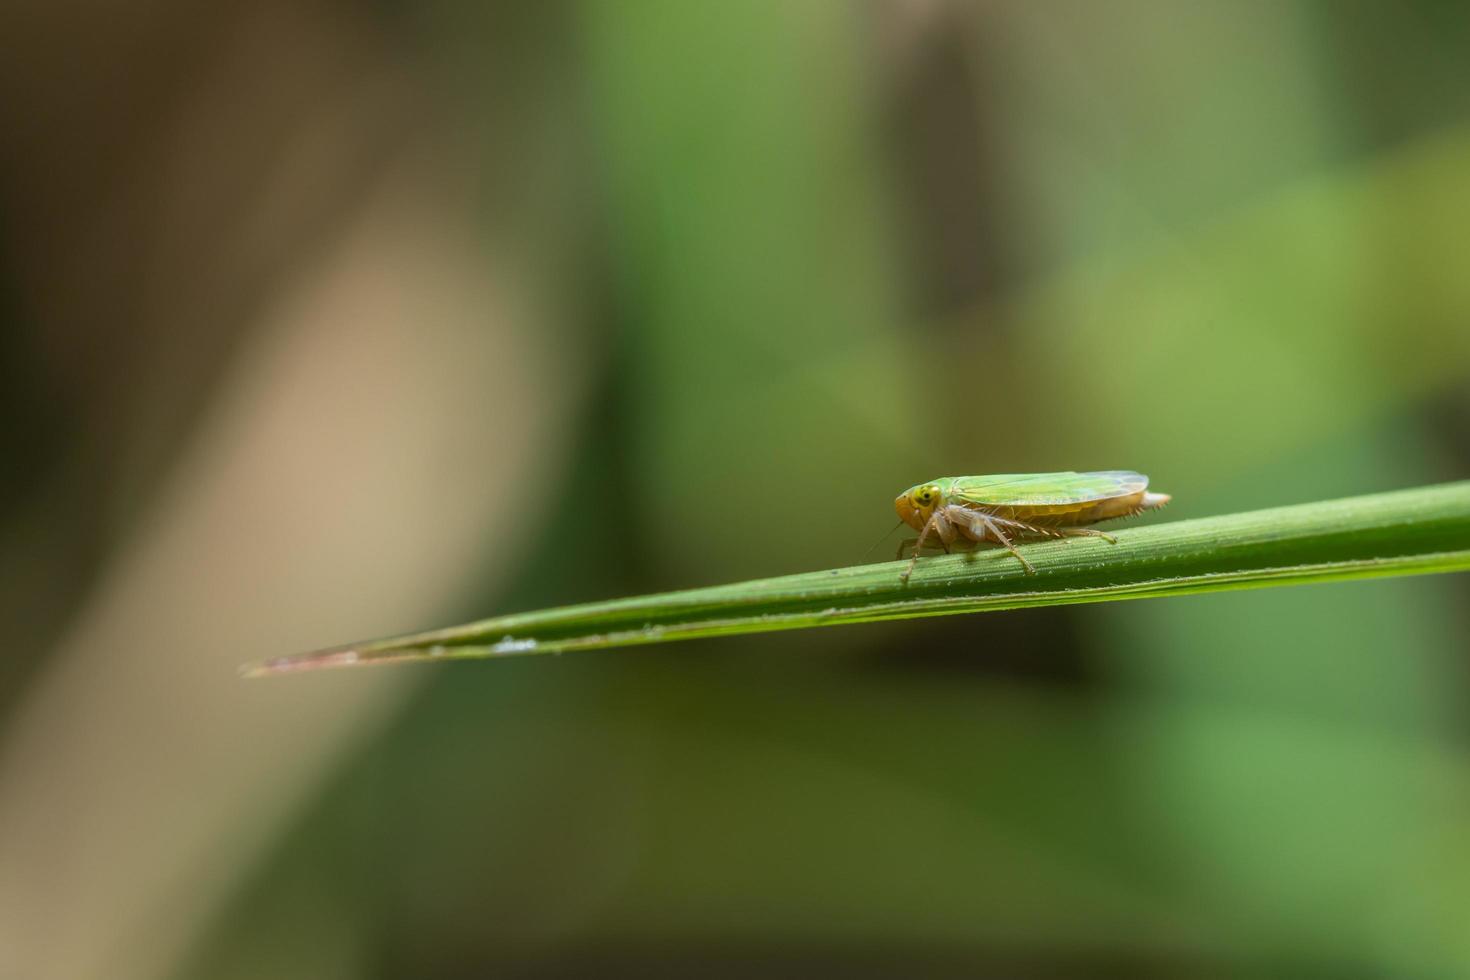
(325, 319)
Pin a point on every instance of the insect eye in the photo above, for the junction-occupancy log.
(925, 496)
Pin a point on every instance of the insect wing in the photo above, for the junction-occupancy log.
(1046, 489)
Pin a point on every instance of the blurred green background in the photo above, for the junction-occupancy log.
(325, 320)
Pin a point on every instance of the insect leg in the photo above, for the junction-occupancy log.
(942, 527)
(1086, 532)
(1015, 525)
(918, 547)
(992, 529)
(1057, 532)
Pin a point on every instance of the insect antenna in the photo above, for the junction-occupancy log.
(880, 540)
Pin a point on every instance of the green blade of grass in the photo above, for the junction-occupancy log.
(1402, 533)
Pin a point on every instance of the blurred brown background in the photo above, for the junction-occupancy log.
(324, 320)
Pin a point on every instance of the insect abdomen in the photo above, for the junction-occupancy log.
(1085, 512)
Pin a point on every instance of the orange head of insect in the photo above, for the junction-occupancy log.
(916, 504)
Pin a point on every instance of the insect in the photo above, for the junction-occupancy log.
(1014, 505)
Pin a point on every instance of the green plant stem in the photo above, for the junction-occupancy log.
(1402, 533)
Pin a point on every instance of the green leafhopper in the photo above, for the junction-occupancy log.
(1004, 506)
